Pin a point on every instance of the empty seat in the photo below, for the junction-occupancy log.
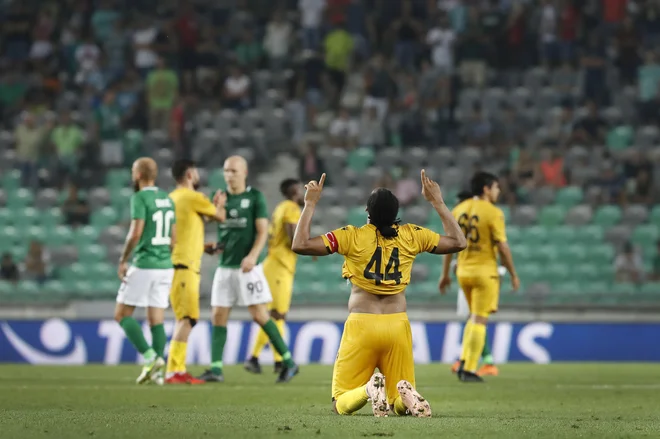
(635, 215)
(579, 215)
(569, 196)
(552, 215)
(608, 216)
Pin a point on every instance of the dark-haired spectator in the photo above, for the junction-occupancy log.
(568, 23)
(236, 89)
(36, 262)
(162, 89)
(611, 184)
(594, 65)
(591, 129)
(408, 32)
(344, 130)
(144, 39)
(473, 51)
(311, 16)
(310, 166)
(371, 132)
(628, 265)
(627, 43)
(75, 208)
(649, 87)
(477, 129)
(379, 86)
(8, 268)
(17, 29)
(108, 130)
(277, 40)
(249, 52)
(187, 26)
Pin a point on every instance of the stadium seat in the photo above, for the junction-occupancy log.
(574, 254)
(623, 288)
(86, 235)
(59, 236)
(586, 271)
(20, 198)
(529, 272)
(644, 234)
(120, 197)
(650, 288)
(557, 272)
(104, 217)
(552, 216)
(568, 288)
(360, 159)
(357, 216)
(89, 252)
(55, 288)
(654, 216)
(51, 217)
(600, 253)
(514, 234)
(28, 287)
(217, 179)
(588, 235)
(569, 196)
(565, 234)
(537, 235)
(11, 180)
(608, 216)
(118, 179)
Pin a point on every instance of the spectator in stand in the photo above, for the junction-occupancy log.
(386, 181)
(42, 46)
(552, 169)
(144, 39)
(564, 81)
(249, 52)
(209, 60)
(611, 185)
(493, 23)
(628, 265)
(75, 208)
(408, 31)
(407, 188)
(649, 88)
(277, 40)
(344, 130)
(510, 129)
(649, 21)
(548, 33)
(310, 165)
(440, 40)
(162, 90)
(187, 26)
(614, 12)
(29, 137)
(36, 262)
(594, 66)
(477, 130)
(164, 45)
(311, 16)
(656, 263)
(88, 57)
(177, 128)
(115, 46)
(641, 190)
(379, 87)
(313, 70)
(371, 130)
(357, 23)
(338, 46)
(103, 19)
(436, 101)
(13, 88)
(568, 31)
(591, 129)
(561, 128)
(17, 31)
(525, 174)
(68, 140)
(108, 130)
(627, 43)
(236, 90)
(473, 51)
(8, 268)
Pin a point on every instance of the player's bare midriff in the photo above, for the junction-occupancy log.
(362, 301)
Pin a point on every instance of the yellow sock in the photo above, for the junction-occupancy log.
(475, 345)
(280, 327)
(352, 401)
(466, 335)
(399, 408)
(259, 343)
(176, 358)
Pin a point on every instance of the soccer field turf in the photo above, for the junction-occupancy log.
(526, 401)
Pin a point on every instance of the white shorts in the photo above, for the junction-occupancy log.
(146, 287)
(462, 307)
(233, 287)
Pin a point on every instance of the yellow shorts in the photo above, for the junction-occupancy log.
(280, 281)
(184, 295)
(371, 341)
(482, 293)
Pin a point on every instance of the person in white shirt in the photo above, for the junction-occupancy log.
(441, 41)
(87, 56)
(276, 41)
(237, 89)
(628, 265)
(143, 40)
(311, 15)
(344, 130)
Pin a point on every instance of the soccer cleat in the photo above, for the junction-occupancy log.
(488, 370)
(287, 374)
(158, 378)
(470, 377)
(278, 367)
(457, 366)
(416, 405)
(150, 368)
(377, 395)
(252, 365)
(209, 377)
(177, 378)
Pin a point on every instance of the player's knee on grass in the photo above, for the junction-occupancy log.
(276, 315)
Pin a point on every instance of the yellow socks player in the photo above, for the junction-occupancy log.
(176, 360)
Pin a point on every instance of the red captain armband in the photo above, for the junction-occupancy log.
(332, 240)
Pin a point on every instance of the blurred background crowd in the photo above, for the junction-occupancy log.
(560, 98)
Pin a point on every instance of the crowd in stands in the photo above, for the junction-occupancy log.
(540, 87)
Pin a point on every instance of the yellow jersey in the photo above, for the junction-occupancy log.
(378, 265)
(483, 225)
(189, 206)
(279, 243)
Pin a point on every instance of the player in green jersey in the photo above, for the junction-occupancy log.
(239, 278)
(146, 283)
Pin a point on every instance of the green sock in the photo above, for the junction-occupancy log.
(134, 334)
(218, 339)
(486, 354)
(270, 328)
(158, 339)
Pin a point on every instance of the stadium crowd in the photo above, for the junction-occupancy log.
(550, 94)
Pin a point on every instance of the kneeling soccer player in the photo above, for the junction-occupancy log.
(378, 262)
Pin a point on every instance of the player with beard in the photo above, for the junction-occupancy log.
(191, 209)
(279, 266)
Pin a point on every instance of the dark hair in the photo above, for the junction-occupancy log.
(383, 207)
(463, 195)
(286, 186)
(480, 180)
(180, 167)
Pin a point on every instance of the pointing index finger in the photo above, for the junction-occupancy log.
(322, 180)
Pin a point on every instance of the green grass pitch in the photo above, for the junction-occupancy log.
(525, 401)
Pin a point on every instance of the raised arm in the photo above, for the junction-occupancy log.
(302, 244)
(454, 241)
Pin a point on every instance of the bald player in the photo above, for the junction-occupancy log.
(239, 278)
(146, 283)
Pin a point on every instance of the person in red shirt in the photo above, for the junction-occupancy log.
(569, 20)
(187, 27)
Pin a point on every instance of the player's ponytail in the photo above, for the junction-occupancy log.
(383, 207)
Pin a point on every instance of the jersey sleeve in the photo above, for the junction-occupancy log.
(203, 205)
(339, 240)
(138, 209)
(497, 227)
(426, 240)
(291, 215)
(261, 208)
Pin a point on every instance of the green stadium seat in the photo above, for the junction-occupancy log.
(55, 288)
(11, 235)
(549, 253)
(608, 216)
(646, 233)
(506, 210)
(11, 180)
(7, 288)
(564, 233)
(585, 271)
(357, 216)
(589, 235)
(92, 253)
(35, 233)
(59, 236)
(108, 287)
(530, 272)
(594, 287)
(552, 216)
(20, 198)
(574, 254)
(28, 287)
(360, 159)
(120, 197)
(217, 180)
(623, 288)
(524, 251)
(102, 271)
(74, 272)
(514, 234)
(86, 235)
(556, 272)
(654, 216)
(620, 137)
(569, 196)
(104, 217)
(84, 288)
(51, 217)
(537, 235)
(650, 288)
(118, 178)
(568, 288)
(19, 252)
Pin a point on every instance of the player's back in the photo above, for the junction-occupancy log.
(376, 264)
(189, 245)
(154, 206)
(279, 243)
(483, 225)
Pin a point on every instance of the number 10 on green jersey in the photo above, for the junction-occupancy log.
(156, 209)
